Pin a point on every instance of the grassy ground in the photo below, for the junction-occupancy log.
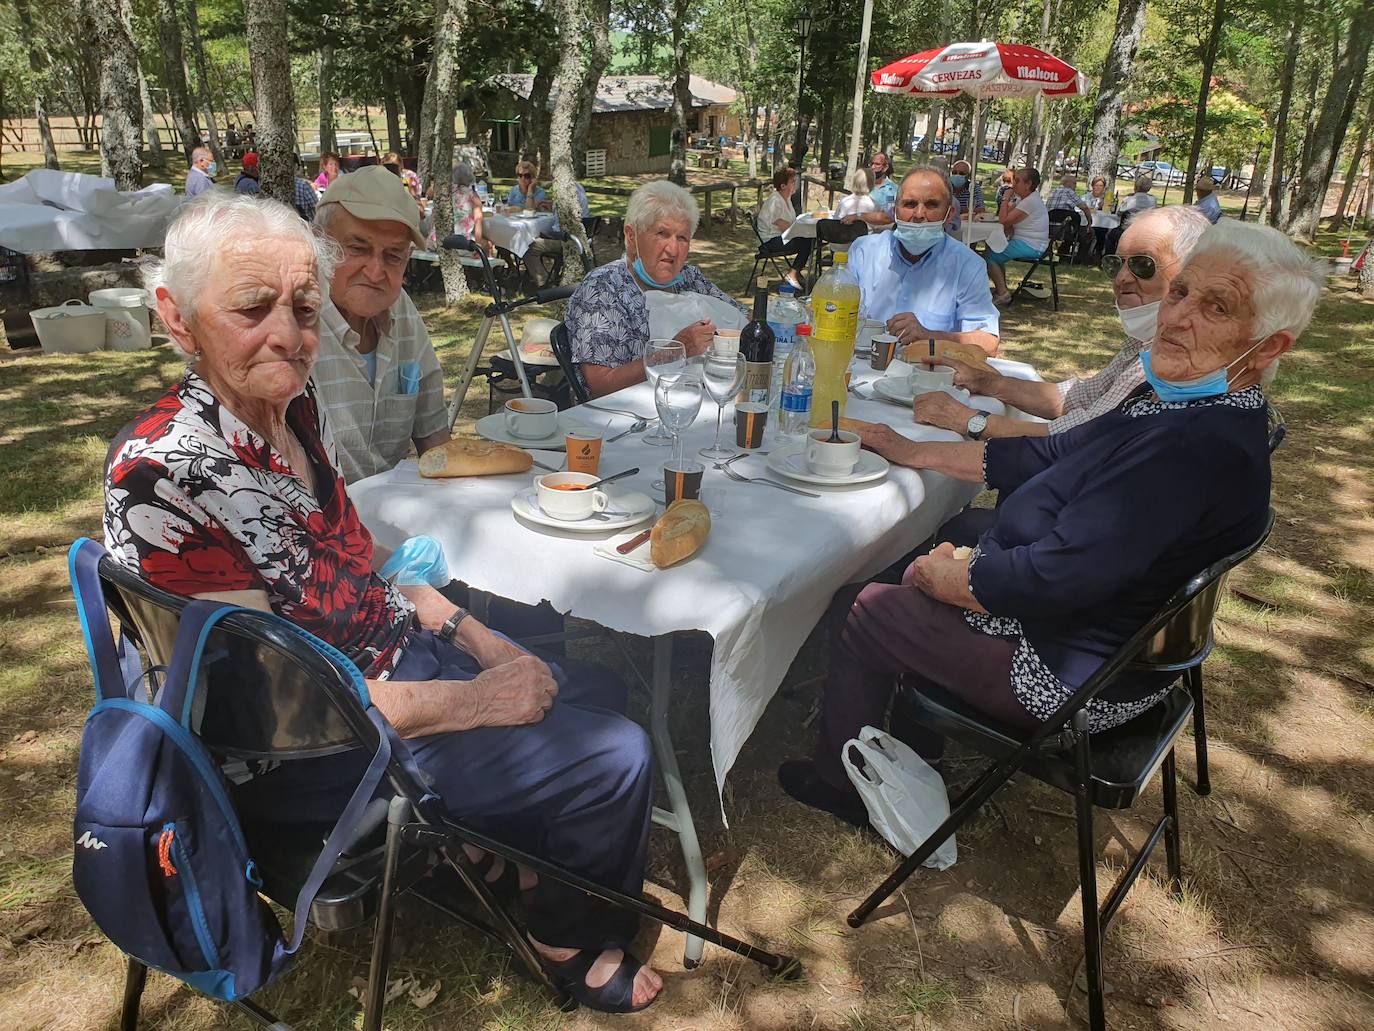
(1275, 929)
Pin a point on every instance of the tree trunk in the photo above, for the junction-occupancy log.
(1209, 60)
(1352, 174)
(576, 62)
(1276, 153)
(1337, 107)
(1039, 130)
(599, 15)
(860, 89)
(122, 128)
(424, 145)
(1111, 92)
(682, 94)
(203, 80)
(38, 65)
(174, 75)
(534, 145)
(324, 73)
(393, 110)
(448, 25)
(155, 156)
(274, 108)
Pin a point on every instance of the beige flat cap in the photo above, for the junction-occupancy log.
(375, 194)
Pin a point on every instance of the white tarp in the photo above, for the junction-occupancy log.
(49, 210)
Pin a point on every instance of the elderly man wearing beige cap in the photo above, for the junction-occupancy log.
(377, 375)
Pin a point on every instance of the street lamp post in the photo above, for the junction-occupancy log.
(803, 25)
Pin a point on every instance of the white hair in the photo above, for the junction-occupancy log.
(861, 182)
(462, 174)
(653, 202)
(218, 219)
(1284, 282)
(1186, 224)
(200, 152)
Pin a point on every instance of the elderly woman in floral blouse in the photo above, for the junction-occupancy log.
(228, 488)
(608, 316)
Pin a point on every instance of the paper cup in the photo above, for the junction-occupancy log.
(883, 350)
(751, 418)
(682, 484)
(584, 451)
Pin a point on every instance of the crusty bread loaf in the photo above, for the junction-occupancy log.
(679, 533)
(470, 456)
(966, 353)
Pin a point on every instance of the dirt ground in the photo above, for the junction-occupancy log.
(1274, 930)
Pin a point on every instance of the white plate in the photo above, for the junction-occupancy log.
(493, 427)
(626, 508)
(792, 464)
(898, 388)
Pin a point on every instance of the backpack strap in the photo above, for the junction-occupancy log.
(117, 666)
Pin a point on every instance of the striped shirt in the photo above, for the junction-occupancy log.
(373, 422)
(1086, 399)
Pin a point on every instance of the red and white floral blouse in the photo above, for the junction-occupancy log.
(198, 502)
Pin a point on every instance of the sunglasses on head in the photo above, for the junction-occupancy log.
(1142, 266)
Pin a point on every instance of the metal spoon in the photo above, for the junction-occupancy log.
(638, 425)
(612, 479)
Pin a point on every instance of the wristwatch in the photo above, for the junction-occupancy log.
(450, 626)
(976, 425)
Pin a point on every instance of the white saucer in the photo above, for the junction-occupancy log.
(792, 464)
(493, 427)
(636, 508)
(898, 389)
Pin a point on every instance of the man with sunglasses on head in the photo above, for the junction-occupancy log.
(1150, 254)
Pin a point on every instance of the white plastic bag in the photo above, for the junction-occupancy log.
(906, 798)
(670, 313)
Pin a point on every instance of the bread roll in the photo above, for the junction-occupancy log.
(967, 353)
(679, 533)
(469, 456)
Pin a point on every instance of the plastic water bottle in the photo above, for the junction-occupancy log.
(785, 314)
(799, 377)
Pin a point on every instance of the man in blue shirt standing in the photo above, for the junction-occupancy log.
(920, 281)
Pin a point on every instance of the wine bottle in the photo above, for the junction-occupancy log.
(756, 344)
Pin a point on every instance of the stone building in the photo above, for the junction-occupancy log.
(632, 123)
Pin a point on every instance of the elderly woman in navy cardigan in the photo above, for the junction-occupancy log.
(1097, 526)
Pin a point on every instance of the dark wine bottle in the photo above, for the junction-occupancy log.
(756, 344)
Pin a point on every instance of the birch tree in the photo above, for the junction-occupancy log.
(682, 94)
(324, 75)
(1111, 91)
(122, 125)
(274, 108)
(576, 66)
(448, 24)
(155, 156)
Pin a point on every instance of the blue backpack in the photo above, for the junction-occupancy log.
(160, 861)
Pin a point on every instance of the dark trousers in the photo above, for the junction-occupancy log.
(512, 618)
(964, 529)
(799, 250)
(892, 629)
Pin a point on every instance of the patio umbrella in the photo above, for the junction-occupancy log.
(984, 71)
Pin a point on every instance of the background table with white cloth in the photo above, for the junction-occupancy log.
(757, 591)
(516, 232)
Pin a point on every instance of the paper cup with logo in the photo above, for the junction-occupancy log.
(682, 484)
(584, 451)
(751, 418)
(883, 351)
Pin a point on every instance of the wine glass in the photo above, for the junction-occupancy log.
(661, 358)
(678, 400)
(722, 375)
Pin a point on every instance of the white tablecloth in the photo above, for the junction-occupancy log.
(514, 232)
(802, 228)
(758, 587)
(48, 210)
(1105, 220)
(990, 233)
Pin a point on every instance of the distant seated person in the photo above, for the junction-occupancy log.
(1027, 223)
(859, 200)
(1098, 526)
(247, 181)
(884, 192)
(1064, 197)
(392, 162)
(918, 279)
(968, 195)
(527, 193)
(1207, 201)
(608, 318)
(1140, 200)
(329, 170)
(1151, 253)
(467, 209)
(201, 175)
(305, 200)
(775, 218)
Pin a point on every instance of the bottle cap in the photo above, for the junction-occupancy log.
(803, 329)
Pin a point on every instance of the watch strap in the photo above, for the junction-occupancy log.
(451, 624)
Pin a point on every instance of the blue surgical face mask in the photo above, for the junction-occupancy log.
(644, 275)
(1208, 385)
(211, 168)
(918, 237)
(958, 181)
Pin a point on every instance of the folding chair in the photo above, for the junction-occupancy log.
(562, 350)
(831, 231)
(270, 692)
(762, 258)
(1062, 225)
(1109, 769)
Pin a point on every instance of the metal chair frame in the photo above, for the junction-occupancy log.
(762, 259)
(419, 833)
(562, 350)
(1059, 228)
(1060, 753)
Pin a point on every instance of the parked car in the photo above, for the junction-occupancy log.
(1162, 171)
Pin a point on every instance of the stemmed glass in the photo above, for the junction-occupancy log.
(678, 400)
(661, 358)
(722, 375)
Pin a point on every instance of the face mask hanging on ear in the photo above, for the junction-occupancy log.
(1140, 322)
(1207, 385)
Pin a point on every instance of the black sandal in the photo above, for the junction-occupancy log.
(506, 887)
(615, 996)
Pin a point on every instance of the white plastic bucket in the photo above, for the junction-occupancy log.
(126, 318)
(1342, 266)
(72, 327)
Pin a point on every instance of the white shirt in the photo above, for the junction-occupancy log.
(946, 288)
(774, 208)
(855, 204)
(1034, 229)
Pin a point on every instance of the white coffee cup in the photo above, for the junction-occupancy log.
(531, 418)
(925, 377)
(559, 501)
(725, 345)
(827, 459)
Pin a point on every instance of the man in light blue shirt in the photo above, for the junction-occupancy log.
(920, 281)
(884, 192)
(200, 176)
(1207, 201)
